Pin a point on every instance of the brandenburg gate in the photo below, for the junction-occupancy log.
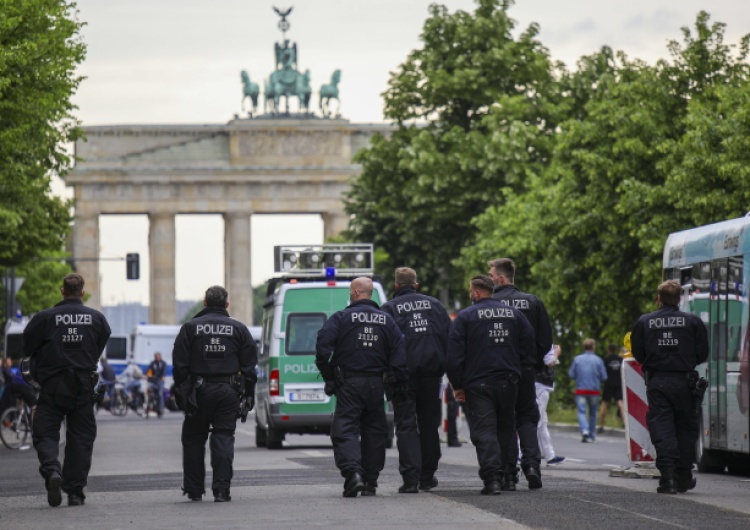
(248, 166)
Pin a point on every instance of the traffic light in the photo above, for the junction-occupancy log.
(133, 266)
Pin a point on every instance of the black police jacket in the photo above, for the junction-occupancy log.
(534, 310)
(361, 338)
(425, 324)
(212, 343)
(67, 335)
(488, 341)
(670, 340)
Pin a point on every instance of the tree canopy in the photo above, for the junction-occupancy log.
(579, 176)
(482, 96)
(40, 47)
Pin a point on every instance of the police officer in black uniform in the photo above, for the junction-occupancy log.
(425, 325)
(488, 344)
(219, 355)
(64, 344)
(355, 348)
(502, 272)
(670, 343)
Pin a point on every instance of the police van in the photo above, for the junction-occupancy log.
(314, 284)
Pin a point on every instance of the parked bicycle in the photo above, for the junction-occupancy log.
(15, 425)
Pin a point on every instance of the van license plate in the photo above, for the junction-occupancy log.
(311, 395)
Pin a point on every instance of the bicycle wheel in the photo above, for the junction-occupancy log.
(136, 403)
(14, 428)
(119, 404)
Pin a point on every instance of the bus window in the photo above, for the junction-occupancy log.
(302, 332)
(14, 346)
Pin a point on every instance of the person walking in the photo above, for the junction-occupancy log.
(670, 343)
(503, 271)
(156, 373)
(612, 386)
(588, 372)
(488, 343)
(545, 383)
(355, 349)
(64, 344)
(218, 356)
(425, 324)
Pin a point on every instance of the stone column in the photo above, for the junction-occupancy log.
(86, 255)
(237, 266)
(161, 246)
(334, 223)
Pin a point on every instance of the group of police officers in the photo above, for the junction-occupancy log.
(492, 353)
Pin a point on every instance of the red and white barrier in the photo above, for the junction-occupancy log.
(640, 448)
(444, 389)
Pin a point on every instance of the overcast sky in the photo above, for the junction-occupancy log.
(179, 61)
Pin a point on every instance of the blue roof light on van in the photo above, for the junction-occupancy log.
(331, 275)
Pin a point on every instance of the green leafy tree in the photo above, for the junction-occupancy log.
(638, 158)
(40, 47)
(41, 287)
(485, 122)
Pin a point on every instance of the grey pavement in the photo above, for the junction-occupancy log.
(136, 477)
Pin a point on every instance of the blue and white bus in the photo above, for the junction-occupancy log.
(712, 263)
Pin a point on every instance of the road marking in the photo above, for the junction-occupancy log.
(631, 512)
(245, 431)
(315, 454)
(574, 460)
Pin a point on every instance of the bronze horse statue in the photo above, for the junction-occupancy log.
(249, 90)
(328, 92)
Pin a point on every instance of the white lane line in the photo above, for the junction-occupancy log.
(245, 431)
(631, 512)
(314, 454)
(574, 460)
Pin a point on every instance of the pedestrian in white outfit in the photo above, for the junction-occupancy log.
(544, 385)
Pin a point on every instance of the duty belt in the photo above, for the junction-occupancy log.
(217, 379)
(682, 375)
(362, 374)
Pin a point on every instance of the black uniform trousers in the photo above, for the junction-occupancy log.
(492, 426)
(417, 423)
(217, 409)
(527, 419)
(77, 407)
(672, 421)
(359, 430)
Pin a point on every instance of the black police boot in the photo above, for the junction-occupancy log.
(406, 487)
(54, 489)
(196, 497)
(667, 482)
(509, 482)
(685, 480)
(75, 499)
(534, 476)
(427, 485)
(492, 487)
(222, 495)
(353, 485)
(370, 489)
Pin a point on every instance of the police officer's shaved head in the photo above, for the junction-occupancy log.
(669, 293)
(405, 277)
(483, 284)
(216, 296)
(503, 266)
(72, 285)
(361, 288)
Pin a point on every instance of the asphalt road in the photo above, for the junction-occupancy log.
(136, 477)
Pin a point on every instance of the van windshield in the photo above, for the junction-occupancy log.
(302, 332)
